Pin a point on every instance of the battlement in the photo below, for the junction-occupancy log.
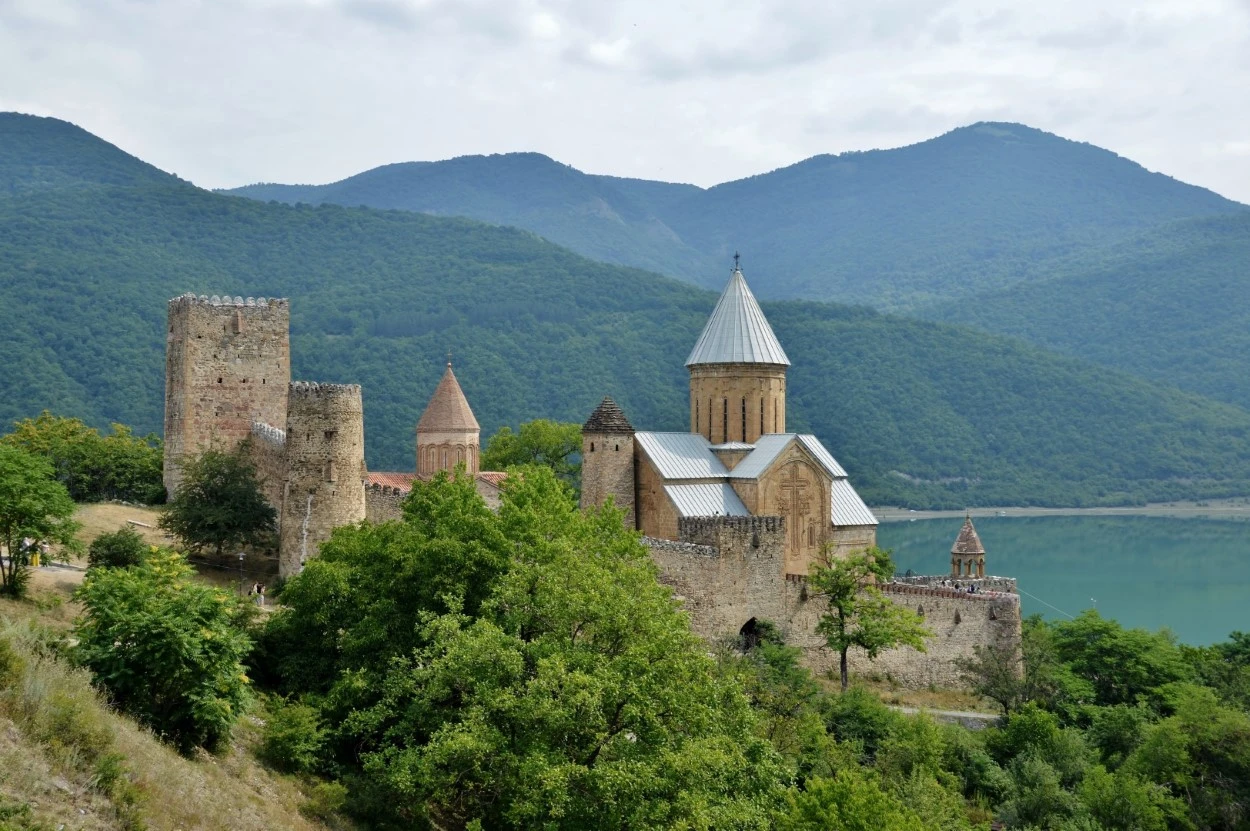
(190, 299)
(700, 526)
(385, 490)
(986, 584)
(658, 545)
(269, 434)
(949, 593)
(313, 389)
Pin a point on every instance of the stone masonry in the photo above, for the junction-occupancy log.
(227, 364)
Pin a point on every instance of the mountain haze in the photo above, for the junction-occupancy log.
(919, 413)
(979, 208)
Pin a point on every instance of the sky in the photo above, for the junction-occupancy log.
(229, 92)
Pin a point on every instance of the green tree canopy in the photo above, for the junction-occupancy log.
(859, 615)
(219, 505)
(167, 649)
(118, 549)
(35, 510)
(553, 444)
(539, 674)
(94, 467)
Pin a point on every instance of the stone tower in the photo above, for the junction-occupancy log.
(608, 459)
(227, 364)
(968, 554)
(737, 371)
(325, 469)
(447, 434)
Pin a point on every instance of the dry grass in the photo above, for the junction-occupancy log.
(106, 517)
(928, 699)
(56, 733)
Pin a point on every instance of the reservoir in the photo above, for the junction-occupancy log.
(1191, 576)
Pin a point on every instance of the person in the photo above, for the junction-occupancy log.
(260, 595)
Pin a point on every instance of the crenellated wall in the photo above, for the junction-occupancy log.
(384, 503)
(728, 570)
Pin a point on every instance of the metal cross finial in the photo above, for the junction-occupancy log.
(448, 357)
(736, 261)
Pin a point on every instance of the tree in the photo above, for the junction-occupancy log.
(851, 801)
(35, 510)
(120, 549)
(570, 693)
(219, 504)
(168, 650)
(91, 466)
(1012, 675)
(540, 442)
(859, 615)
(1123, 665)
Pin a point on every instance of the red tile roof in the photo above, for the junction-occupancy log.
(493, 476)
(403, 481)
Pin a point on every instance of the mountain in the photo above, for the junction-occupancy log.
(46, 153)
(589, 214)
(1172, 305)
(979, 208)
(919, 413)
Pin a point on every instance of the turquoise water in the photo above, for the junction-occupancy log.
(1189, 575)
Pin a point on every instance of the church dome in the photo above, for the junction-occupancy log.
(448, 410)
(737, 332)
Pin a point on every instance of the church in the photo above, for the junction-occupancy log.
(736, 460)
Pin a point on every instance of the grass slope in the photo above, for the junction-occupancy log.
(74, 763)
(920, 414)
(978, 208)
(1173, 305)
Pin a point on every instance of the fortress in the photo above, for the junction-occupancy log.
(735, 511)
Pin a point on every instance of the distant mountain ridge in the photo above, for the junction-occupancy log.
(979, 208)
(919, 413)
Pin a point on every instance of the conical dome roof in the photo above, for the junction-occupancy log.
(968, 542)
(608, 417)
(448, 410)
(737, 332)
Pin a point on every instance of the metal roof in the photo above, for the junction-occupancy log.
(822, 455)
(737, 332)
(681, 455)
(767, 448)
(712, 499)
(733, 445)
(846, 508)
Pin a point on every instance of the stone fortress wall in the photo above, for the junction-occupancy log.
(727, 571)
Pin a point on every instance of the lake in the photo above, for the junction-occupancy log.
(1189, 575)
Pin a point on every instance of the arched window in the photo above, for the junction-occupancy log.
(744, 419)
(724, 424)
(761, 416)
(592, 447)
(697, 428)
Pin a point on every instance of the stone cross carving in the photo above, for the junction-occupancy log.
(794, 494)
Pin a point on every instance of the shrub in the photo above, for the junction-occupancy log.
(293, 737)
(120, 549)
(168, 650)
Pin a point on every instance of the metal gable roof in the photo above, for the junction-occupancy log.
(822, 455)
(711, 499)
(681, 455)
(767, 448)
(846, 508)
(737, 332)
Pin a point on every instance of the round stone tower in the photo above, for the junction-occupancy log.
(968, 554)
(608, 459)
(737, 371)
(447, 434)
(325, 458)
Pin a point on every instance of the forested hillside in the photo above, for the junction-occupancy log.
(1173, 305)
(978, 208)
(918, 412)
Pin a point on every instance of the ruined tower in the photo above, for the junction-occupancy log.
(608, 459)
(227, 364)
(325, 469)
(737, 371)
(968, 554)
(447, 434)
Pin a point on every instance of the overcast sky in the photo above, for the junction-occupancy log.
(227, 92)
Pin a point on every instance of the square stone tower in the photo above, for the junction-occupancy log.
(227, 364)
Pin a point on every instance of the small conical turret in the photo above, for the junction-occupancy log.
(608, 417)
(608, 459)
(968, 554)
(448, 408)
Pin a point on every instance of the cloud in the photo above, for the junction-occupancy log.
(704, 91)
